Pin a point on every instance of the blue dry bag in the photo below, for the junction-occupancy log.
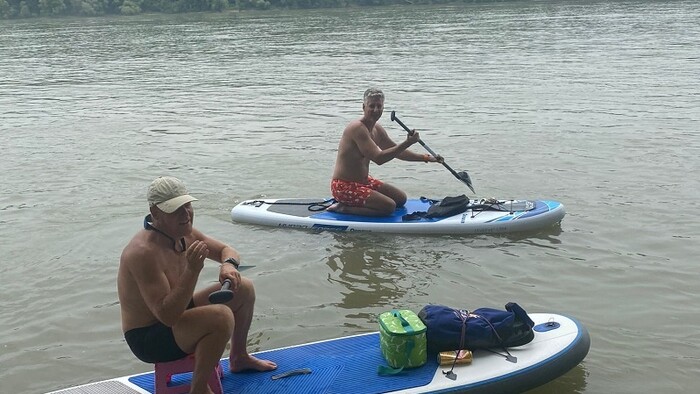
(483, 328)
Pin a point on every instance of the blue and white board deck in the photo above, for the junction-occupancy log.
(349, 365)
(501, 216)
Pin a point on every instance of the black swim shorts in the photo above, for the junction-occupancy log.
(154, 343)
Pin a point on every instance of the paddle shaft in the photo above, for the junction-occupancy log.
(410, 132)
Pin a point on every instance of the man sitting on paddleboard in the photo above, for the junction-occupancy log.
(163, 318)
(365, 140)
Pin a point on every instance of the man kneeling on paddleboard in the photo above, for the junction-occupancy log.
(163, 318)
(365, 140)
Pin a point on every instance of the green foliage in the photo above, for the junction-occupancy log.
(49, 8)
(87, 7)
(254, 4)
(52, 7)
(25, 10)
(5, 10)
(219, 5)
(130, 7)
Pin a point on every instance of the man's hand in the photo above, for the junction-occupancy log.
(228, 271)
(196, 254)
(413, 138)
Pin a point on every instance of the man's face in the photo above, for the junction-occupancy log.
(179, 223)
(373, 107)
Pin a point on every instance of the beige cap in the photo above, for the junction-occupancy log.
(168, 194)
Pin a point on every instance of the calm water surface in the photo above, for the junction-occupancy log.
(594, 104)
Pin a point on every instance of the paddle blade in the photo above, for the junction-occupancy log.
(464, 177)
(222, 296)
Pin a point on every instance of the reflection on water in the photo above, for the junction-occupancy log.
(572, 382)
(372, 272)
(550, 235)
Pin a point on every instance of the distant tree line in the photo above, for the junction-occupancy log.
(10, 9)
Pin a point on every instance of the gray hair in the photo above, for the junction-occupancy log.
(373, 93)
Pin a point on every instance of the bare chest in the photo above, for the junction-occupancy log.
(173, 265)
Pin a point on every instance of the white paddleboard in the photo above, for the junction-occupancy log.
(349, 365)
(495, 217)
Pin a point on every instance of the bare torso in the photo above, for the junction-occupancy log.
(145, 249)
(351, 163)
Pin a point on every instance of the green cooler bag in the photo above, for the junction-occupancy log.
(402, 339)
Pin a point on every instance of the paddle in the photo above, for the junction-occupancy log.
(462, 175)
(225, 294)
(222, 296)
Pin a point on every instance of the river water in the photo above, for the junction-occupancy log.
(594, 104)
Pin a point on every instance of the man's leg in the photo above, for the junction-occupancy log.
(399, 196)
(376, 204)
(242, 305)
(363, 199)
(204, 331)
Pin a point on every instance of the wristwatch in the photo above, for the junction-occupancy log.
(233, 262)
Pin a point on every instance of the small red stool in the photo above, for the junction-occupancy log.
(165, 371)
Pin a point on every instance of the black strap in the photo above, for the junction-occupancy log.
(148, 225)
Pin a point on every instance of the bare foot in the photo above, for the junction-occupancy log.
(337, 207)
(251, 363)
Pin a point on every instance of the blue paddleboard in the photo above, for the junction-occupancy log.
(348, 365)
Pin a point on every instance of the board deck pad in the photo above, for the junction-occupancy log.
(346, 365)
(315, 208)
(299, 207)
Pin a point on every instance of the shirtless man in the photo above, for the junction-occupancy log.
(163, 318)
(365, 140)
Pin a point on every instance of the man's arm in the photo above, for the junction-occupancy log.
(220, 252)
(384, 149)
(406, 155)
(165, 303)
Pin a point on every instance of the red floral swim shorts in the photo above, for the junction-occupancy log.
(354, 194)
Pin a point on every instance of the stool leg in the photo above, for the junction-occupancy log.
(215, 380)
(164, 373)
